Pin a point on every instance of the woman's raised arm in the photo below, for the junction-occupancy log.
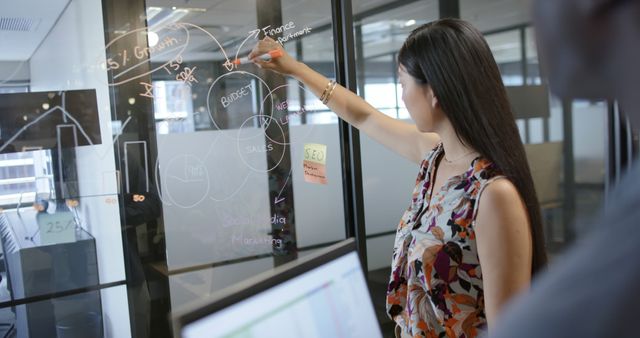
(402, 138)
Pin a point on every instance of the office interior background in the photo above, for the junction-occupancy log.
(185, 173)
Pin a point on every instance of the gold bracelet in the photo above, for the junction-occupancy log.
(326, 90)
(333, 86)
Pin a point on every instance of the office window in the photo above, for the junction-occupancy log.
(173, 107)
(25, 175)
(7, 89)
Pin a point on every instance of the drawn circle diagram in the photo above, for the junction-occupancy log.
(129, 64)
(251, 152)
(239, 98)
(190, 176)
(284, 106)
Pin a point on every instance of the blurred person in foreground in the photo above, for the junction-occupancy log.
(592, 51)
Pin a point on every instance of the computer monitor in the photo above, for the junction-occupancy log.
(321, 295)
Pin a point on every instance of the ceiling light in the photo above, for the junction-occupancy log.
(410, 23)
(152, 38)
(152, 12)
(195, 9)
(167, 18)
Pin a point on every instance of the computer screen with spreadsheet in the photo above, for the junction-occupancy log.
(321, 295)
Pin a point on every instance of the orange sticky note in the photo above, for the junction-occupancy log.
(314, 163)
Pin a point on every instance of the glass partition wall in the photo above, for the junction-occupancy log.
(143, 170)
(231, 146)
(63, 270)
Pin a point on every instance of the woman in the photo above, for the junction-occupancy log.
(471, 237)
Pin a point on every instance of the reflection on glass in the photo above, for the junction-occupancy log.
(507, 50)
(65, 317)
(589, 151)
(172, 105)
(25, 176)
(533, 66)
(315, 54)
(45, 120)
(46, 251)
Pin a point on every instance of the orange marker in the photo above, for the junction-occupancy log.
(276, 53)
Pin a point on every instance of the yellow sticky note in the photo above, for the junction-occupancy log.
(315, 152)
(314, 163)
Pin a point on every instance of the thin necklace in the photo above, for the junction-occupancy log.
(458, 158)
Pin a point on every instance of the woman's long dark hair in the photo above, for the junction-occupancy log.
(453, 58)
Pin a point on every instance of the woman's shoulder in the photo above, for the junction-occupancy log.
(500, 190)
(498, 199)
(484, 174)
(485, 170)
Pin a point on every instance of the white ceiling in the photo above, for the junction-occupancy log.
(29, 23)
(230, 21)
(487, 15)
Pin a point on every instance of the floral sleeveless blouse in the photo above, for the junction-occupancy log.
(435, 289)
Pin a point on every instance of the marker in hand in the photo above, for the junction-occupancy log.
(276, 53)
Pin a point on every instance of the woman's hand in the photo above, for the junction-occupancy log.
(285, 64)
